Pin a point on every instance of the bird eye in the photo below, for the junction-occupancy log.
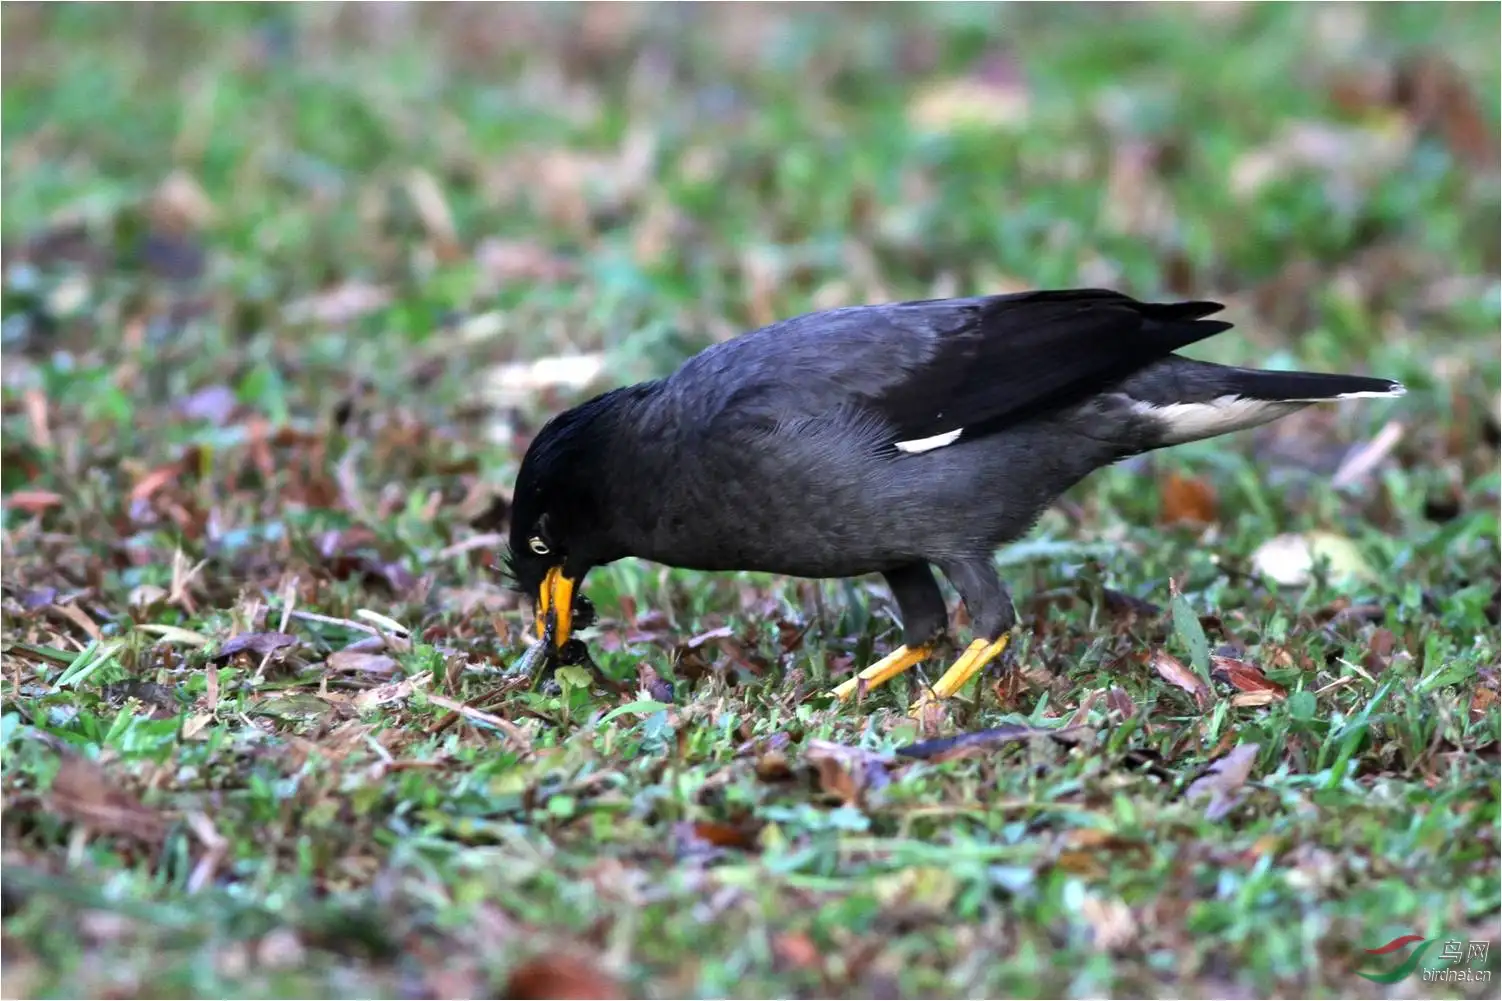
(538, 546)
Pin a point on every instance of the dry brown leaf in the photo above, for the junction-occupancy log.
(259, 644)
(558, 976)
(847, 773)
(723, 835)
(83, 793)
(1186, 499)
(1118, 700)
(510, 729)
(1246, 677)
(180, 203)
(1437, 96)
(339, 305)
(510, 262)
(1483, 701)
(80, 618)
(1170, 669)
(154, 481)
(1082, 863)
(994, 96)
(433, 209)
(978, 742)
(1380, 650)
(364, 663)
(795, 949)
(713, 635)
(1224, 777)
(652, 685)
(1362, 461)
(33, 501)
(214, 404)
(384, 694)
(1350, 158)
(1111, 922)
(773, 767)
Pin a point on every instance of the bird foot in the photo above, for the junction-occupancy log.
(886, 669)
(976, 656)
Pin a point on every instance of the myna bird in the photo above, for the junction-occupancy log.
(885, 439)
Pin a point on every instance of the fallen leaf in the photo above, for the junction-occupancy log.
(433, 209)
(214, 404)
(70, 611)
(1350, 158)
(1224, 777)
(196, 724)
(517, 382)
(558, 976)
(1438, 98)
(382, 695)
(994, 96)
(1119, 701)
(723, 835)
(180, 203)
(507, 727)
(1127, 606)
(1111, 923)
(773, 767)
(846, 773)
(1363, 460)
(154, 481)
(1186, 499)
(1289, 559)
(1379, 650)
(364, 663)
(1173, 671)
(33, 501)
(175, 634)
(966, 745)
(1483, 701)
(339, 305)
(795, 949)
(713, 635)
(509, 262)
(83, 793)
(259, 644)
(652, 685)
(1246, 677)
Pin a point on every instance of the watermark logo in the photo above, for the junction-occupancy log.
(1452, 952)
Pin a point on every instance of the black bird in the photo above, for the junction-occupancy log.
(882, 439)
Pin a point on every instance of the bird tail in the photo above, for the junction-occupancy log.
(1191, 400)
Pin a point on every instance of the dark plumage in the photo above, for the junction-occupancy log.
(881, 439)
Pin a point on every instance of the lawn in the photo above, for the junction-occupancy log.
(288, 289)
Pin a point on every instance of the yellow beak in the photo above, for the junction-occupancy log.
(556, 602)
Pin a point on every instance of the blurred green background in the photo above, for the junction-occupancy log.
(277, 278)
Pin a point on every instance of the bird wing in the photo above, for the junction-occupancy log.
(933, 370)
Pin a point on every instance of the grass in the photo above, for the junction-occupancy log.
(265, 269)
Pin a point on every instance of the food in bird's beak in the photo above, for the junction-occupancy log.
(561, 609)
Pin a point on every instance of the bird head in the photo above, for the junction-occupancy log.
(559, 528)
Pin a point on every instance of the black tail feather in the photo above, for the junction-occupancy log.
(1312, 387)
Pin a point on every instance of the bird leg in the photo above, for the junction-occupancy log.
(924, 618)
(992, 613)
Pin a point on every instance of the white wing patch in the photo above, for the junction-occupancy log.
(929, 444)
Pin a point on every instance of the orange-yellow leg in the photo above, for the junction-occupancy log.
(976, 656)
(886, 669)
